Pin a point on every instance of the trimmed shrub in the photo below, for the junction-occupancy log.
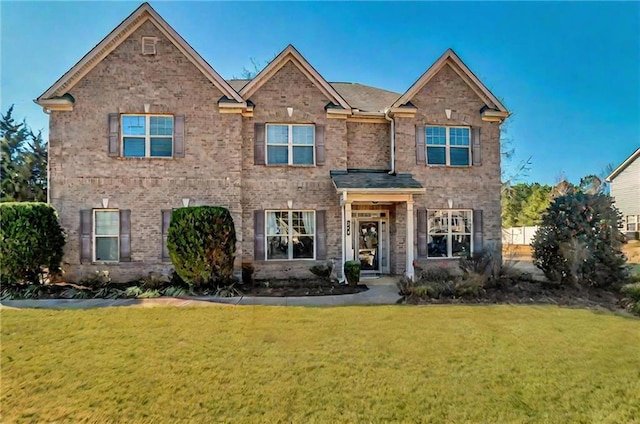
(352, 272)
(202, 245)
(579, 243)
(31, 242)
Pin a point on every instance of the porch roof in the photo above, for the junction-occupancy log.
(374, 181)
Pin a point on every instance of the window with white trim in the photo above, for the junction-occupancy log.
(290, 235)
(106, 235)
(291, 144)
(449, 146)
(449, 233)
(147, 136)
(632, 222)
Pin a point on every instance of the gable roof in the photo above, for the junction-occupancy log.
(290, 54)
(365, 97)
(451, 59)
(142, 14)
(635, 155)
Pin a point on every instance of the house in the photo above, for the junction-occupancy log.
(310, 170)
(625, 189)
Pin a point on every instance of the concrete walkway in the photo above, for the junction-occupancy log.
(382, 291)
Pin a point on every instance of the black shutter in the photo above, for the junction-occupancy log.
(258, 144)
(477, 231)
(113, 142)
(422, 232)
(475, 142)
(86, 228)
(258, 235)
(420, 145)
(125, 236)
(321, 235)
(178, 136)
(166, 220)
(320, 157)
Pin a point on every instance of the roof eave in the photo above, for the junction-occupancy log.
(623, 165)
(416, 190)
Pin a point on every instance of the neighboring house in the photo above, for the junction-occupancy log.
(310, 170)
(625, 189)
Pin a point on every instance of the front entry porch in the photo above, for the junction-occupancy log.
(377, 220)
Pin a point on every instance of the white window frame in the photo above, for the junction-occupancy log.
(450, 233)
(632, 220)
(290, 235)
(447, 146)
(147, 136)
(290, 144)
(95, 236)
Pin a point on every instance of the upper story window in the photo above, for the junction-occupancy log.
(291, 144)
(450, 146)
(147, 136)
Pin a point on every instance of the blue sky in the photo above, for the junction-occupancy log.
(569, 71)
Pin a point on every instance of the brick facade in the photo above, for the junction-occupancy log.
(218, 167)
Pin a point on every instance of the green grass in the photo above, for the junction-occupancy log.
(492, 364)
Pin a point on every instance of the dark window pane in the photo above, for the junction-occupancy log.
(106, 248)
(436, 156)
(278, 247)
(161, 147)
(459, 156)
(461, 245)
(161, 125)
(277, 155)
(133, 147)
(302, 247)
(437, 246)
(302, 155)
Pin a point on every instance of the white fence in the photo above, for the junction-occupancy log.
(518, 235)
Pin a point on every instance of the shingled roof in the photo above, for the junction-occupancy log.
(354, 180)
(359, 96)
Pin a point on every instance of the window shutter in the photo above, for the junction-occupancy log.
(420, 145)
(258, 145)
(178, 136)
(166, 220)
(422, 232)
(321, 235)
(258, 234)
(125, 236)
(475, 142)
(113, 145)
(477, 231)
(86, 224)
(320, 145)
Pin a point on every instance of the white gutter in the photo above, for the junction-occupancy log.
(393, 141)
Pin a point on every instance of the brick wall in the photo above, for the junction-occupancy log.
(368, 145)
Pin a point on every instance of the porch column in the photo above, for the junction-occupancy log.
(348, 236)
(409, 254)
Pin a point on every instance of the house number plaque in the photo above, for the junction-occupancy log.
(348, 227)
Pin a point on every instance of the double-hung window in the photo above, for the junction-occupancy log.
(291, 144)
(106, 235)
(290, 235)
(147, 136)
(449, 146)
(632, 222)
(449, 233)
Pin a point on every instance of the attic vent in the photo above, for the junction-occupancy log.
(149, 45)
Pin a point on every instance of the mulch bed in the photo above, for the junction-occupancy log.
(295, 287)
(528, 292)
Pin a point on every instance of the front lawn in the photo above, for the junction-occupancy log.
(285, 364)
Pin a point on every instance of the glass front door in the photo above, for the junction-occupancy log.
(369, 245)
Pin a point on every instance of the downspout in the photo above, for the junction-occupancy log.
(343, 202)
(393, 141)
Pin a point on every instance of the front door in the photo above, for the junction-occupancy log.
(369, 246)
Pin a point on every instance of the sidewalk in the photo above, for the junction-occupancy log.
(382, 291)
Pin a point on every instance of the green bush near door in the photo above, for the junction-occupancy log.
(352, 272)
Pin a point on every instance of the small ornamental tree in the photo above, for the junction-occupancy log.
(31, 242)
(202, 245)
(579, 243)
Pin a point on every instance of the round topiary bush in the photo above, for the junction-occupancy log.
(579, 243)
(31, 242)
(352, 272)
(202, 245)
